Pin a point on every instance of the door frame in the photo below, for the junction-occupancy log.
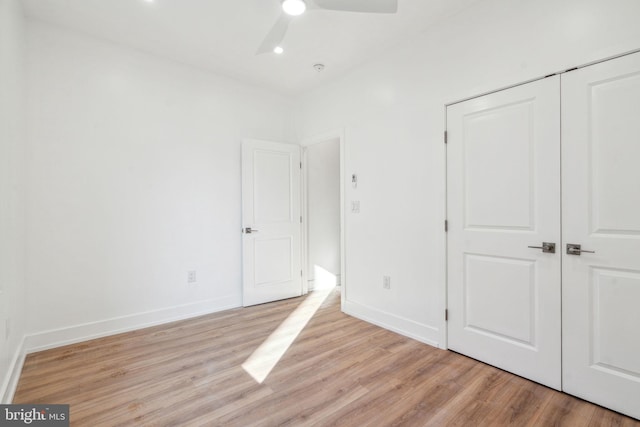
(305, 143)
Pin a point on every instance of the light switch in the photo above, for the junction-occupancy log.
(355, 206)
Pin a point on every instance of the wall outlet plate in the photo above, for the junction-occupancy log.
(386, 282)
(191, 277)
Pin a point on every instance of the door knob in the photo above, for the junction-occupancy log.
(249, 230)
(547, 247)
(573, 249)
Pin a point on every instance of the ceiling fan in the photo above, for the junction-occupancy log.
(293, 8)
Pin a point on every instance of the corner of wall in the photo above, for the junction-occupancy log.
(420, 332)
(10, 383)
(12, 183)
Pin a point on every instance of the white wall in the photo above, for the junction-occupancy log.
(12, 167)
(393, 112)
(134, 180)
(323, 211)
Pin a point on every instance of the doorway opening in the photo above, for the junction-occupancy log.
(323, 213)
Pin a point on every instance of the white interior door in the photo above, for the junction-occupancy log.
(601, 212)
(503, 196)
(271, 209)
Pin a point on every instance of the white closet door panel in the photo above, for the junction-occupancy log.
(601, 212)
(503, 166)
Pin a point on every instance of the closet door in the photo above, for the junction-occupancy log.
(503, 179)
(601, 212)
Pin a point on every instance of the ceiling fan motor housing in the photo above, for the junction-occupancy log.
(294, 7)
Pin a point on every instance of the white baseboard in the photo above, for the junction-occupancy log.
(409, 328)
(78, 333)
(10, 384)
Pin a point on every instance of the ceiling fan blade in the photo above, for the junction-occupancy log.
(367, 6)
(276, 35)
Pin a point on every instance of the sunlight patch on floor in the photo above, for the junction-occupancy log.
(266, 357)
(323, 279)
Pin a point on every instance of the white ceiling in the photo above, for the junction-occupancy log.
(223, 35)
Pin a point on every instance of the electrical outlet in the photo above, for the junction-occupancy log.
(386, 282)
(191, 277)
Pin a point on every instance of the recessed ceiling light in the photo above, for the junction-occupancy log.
(294, 7)
(278, 50)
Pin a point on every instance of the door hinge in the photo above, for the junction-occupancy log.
(300, 219)
(446, 137)
(446, 315)
(446, 225)
(300, 273)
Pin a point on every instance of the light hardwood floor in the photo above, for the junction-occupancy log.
(338, 371)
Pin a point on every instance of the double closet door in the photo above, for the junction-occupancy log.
(543, 190)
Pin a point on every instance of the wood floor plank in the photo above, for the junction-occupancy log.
(337, 370)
